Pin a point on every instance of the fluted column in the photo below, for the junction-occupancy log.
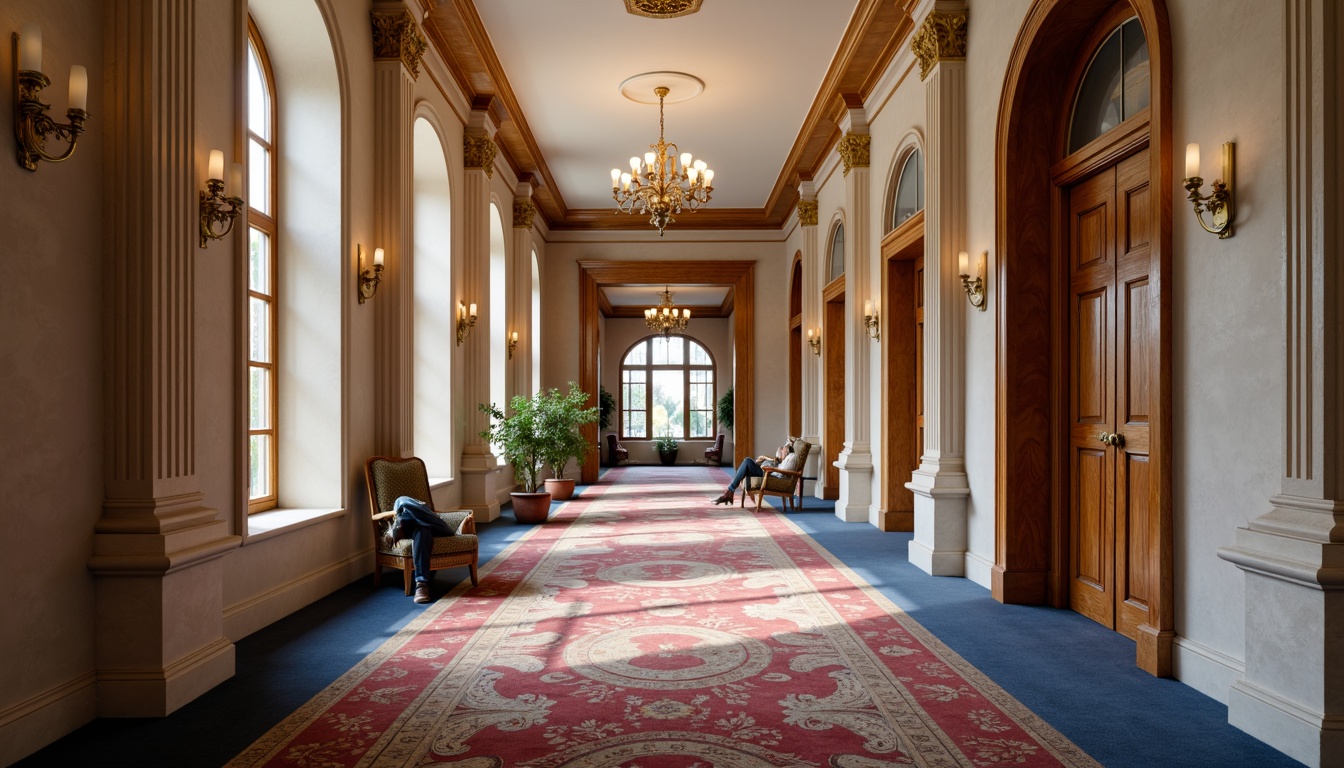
(480, 466)
(811, 373)
(1292, 692)
(520, 283)
(855, 502)
(397, 47)
(939, 485)
(159, 580)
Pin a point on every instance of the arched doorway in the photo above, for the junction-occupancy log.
(796, 346)
(833, 357)
(1084, 346)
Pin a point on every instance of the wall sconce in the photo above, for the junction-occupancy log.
(513, 342)
(871, 321)
(369, 278)
(814, 341)
(1219, 201)
(466, 320)
(32, 125)
(975, 289)
(213, 199)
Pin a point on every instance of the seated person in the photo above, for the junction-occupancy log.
(784, 458)
(417, 521)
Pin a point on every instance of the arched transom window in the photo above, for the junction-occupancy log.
(667, 388)
(908, 198)
(837, 255)
(1116, 86)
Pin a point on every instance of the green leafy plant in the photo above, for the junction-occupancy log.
(725, 409)
(607, 402)
(665, 444)
(538, 430)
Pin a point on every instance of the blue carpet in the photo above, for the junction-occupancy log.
(1076, 675)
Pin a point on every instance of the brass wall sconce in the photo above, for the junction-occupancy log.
(466, 320)
(975, 289)
(513, 342)
(32, 125)
(1218, 202)
(218, 208)
(871, 322)
(814, 341)
(369, 278)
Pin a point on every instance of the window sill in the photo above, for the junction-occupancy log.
(435, 483)
(276, 522)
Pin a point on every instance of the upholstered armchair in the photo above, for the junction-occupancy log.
(389, 478)
(779, 482)
(714, 455)
(616, 453)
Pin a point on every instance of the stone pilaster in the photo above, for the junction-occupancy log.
(520, 282)
(396, 60)
(480, 466)
(1292, 692)
(855, 502)
(811, 373)
(940, 485)
(156, 552)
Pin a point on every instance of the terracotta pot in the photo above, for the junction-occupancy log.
(531, 507)
(668, 457)
(560, 489)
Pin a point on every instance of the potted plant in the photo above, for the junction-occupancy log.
(520, 435)
(667, 449)
(564, 414)
(607, 403)
(725, 410)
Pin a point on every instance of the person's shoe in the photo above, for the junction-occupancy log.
(421, 592)
(726, 498)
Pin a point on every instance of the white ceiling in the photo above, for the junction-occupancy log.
(648, 295)
(762, 62)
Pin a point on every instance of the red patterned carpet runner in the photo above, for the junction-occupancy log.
(642, 627)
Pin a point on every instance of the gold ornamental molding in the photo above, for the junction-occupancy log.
(479, 152)
(807, 213)
(523, 211)
(941, 37)
(396, 36)
(853, 149)
(662, 9)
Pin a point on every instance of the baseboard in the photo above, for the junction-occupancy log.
(242, 619)
(979, 570)
(39, 720)
(1208, 671)
(936, 563)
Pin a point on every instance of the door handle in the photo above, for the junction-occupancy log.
(1116, 440)
(1105, 438)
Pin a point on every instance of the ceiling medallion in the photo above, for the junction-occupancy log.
(660, 185)
(662, 9)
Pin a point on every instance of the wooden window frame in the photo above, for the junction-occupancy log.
(269, 225)
(685, 367)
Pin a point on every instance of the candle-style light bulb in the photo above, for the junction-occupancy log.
(472, 311)
(686, 313)
(30, 47)
(868, 308)
(964, 263)
(378, 257)
(709, 177)
(1192, 160)
(615, 177)
(809, 333)
(79, 88)
(216, 170)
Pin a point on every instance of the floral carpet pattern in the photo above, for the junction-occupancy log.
(642, 627)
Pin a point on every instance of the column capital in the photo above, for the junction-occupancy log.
(942, 36)
(478, 151)
(397, 36)
(854, 150)
(523, 211)
(807, 213)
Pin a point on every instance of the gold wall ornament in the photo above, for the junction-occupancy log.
(941, 36)
(853, 149)
(807, 213)
(523, 211)
(479, 152)
(396, 36)
(662, 9)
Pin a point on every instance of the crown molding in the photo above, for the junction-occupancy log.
(876, 33)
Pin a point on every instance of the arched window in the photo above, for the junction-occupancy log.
(837, 255)
(433, 321)
(535, 341)
(262, 309)
(667, 388)
(1116, 86)
(909, 195)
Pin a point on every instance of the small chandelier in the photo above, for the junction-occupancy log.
(666, 318)
(660, 186)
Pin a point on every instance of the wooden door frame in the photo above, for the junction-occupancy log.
(833, 290)
(895, 247)
(1030, 522)
(738, 276)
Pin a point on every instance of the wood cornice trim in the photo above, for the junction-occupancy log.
(898, 239)
(875, 33)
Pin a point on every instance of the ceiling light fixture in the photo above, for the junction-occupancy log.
(666, 318)
(661, 186)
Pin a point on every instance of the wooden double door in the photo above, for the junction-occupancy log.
(1112, 526)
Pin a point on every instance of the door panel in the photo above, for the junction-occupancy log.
(833, 348)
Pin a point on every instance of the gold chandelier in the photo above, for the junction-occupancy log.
(660, 186)
(666, 318)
